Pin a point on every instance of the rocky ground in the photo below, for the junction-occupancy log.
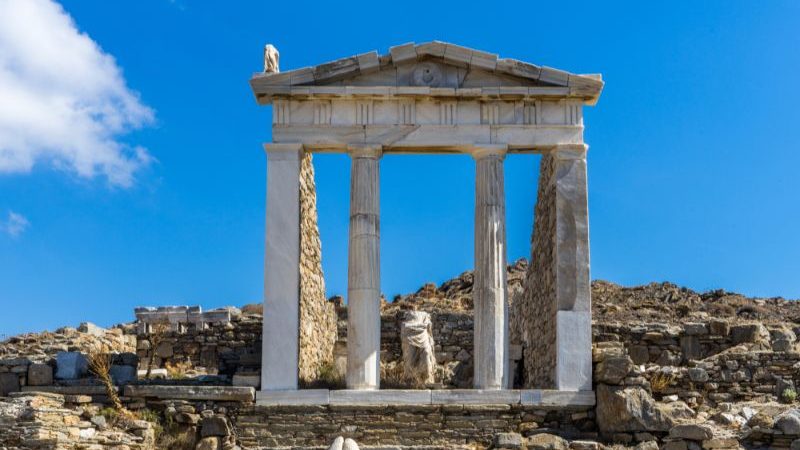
(655, 302)
(675, 369)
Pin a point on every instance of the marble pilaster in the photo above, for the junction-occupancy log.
(279, 363)
(573, 283)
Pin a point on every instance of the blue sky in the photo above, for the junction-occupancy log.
(148, 187)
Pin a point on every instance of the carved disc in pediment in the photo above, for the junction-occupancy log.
(427, 74)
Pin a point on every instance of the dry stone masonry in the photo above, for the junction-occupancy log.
(317, 316)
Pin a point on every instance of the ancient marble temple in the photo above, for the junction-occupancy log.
(435, 98)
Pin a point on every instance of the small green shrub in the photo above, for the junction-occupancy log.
(110, 414)
(327, 378)
(154, 418)
(789, 395)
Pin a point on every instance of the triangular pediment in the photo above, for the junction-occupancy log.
(415, 67)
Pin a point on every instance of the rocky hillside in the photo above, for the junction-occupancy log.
(39, 347)
(655, 302)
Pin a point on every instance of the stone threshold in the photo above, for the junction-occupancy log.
(525, 397)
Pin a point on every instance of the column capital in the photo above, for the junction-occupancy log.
(481, 151)
(570, 151)
(365, 150)
(283, 151)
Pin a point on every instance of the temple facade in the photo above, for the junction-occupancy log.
(435, 98)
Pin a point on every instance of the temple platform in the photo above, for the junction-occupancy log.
(346, 397)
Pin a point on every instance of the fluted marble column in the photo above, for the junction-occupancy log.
(489, 289)
(281, 325)
(364, 274)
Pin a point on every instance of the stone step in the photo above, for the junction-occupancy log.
(383, 447)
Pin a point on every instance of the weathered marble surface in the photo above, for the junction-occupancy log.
(293, 397)
(474, 396)
(271, 59)
(399, 397)
(363, 274)
(281, 268)
(381, 397)
(553, 317)
(419, 359)
(489, 290)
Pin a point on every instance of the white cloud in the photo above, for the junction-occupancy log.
(63, 101)
(15, 225)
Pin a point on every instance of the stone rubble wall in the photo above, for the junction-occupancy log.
(317, 315)
(225, 348)
(532, 316)
(711, 361)
(670, 345)
(409, 425)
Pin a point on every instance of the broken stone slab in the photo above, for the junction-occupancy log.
(474, 397)
(220, 393)
(380, 397)
(71, 365)
(293, 397)
(90, 389)
(90, 328)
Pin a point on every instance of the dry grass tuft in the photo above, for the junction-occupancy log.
(100, 367)
(661, 381)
